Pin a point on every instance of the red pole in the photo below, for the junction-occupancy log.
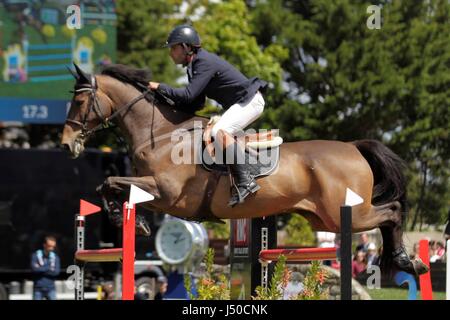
(425, 279)
(128, 239)
(305, 254)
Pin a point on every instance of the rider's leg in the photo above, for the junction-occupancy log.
(233, 121)
(239, 116)
(244, 183)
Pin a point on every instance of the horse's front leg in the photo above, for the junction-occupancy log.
(114, 191)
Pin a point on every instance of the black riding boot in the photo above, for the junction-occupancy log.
(244, 182)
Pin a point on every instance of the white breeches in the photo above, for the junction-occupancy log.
(240, 115)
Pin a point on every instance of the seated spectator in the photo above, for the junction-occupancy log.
(438, 252)
(359, 263)
(415, 254)
(431, 247)
(107, 292)
(294, 286)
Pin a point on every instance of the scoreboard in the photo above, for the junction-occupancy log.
(37, 44)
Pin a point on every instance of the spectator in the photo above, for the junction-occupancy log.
(160, 290)
(45, 266)
(372, 256)
(359, 263)
(294, 286)
(415, 253)
(108, 291)
(363, 242)
(161, 287)
(432, 246)
(438, 252)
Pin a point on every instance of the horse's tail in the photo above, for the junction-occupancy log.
(387, 167)
(389, 185)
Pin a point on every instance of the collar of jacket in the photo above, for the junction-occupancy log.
(189, 65)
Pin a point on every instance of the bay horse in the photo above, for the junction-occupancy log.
(311, 178)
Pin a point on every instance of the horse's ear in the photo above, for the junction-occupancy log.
(83, 77)
(74, 74)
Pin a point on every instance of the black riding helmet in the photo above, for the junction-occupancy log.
(183, 34)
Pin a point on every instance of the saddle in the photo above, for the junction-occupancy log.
(261, 148)
(262, 155)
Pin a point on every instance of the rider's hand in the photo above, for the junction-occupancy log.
(153, 85)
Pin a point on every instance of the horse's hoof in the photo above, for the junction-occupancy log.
(420, 267)
(142, 227)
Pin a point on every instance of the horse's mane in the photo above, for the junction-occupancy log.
(139, 78)
(134, 76)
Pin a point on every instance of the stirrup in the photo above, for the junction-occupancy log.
(242, 196)
(235, 198)
(247, 187)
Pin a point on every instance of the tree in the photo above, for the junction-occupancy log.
(225, 31)
(346, 81)
(142, 30)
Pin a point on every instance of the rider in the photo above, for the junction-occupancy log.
(212, 77)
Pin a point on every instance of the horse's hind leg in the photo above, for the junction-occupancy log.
(393, 249)
(113, 194)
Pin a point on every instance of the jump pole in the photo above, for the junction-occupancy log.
(346, 252)
(266, 256)
(128, 243)
(247, 255)
(124, 254)
(426, 289)
(299, 255)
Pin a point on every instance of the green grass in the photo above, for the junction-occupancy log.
(398, 294)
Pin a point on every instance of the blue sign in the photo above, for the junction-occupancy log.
(175, 287)
(402, 277)
(41, 111)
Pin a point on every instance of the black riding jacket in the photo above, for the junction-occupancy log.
(212, 77)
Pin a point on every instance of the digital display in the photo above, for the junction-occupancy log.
(38, 41)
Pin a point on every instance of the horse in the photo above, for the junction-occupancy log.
(311, 178)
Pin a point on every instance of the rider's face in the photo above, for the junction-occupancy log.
(177, 54)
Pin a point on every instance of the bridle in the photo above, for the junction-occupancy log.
(93, 105)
